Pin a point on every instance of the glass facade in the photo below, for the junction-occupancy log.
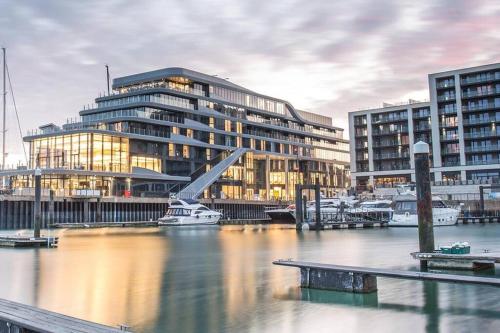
(82, 151)
(190, 126)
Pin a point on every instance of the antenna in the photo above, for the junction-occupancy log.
(107, 77)
(4, 107)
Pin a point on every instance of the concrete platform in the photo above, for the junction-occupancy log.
(477, 261)
(363, 279)
(137, 224)
(22, 241)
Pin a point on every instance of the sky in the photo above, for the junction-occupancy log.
(328, 57)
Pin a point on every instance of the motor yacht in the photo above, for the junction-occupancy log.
(189, 212)
(405, 212)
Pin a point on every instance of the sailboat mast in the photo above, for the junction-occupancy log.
(4, 108)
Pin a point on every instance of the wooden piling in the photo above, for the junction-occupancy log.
(38, 203)
(424, 199)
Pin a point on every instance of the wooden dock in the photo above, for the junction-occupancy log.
(131, 224)
(363, 279)
(17, 317)
(479, 219)
(458, 261)
(23, 241)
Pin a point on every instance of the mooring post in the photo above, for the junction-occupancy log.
(481, 200)
(38, 203)
(424, 200)
(51, 208)
(98, 213)
(305, 217)
(298, 206)
(317, 198)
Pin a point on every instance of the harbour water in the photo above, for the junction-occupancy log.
(222, 280)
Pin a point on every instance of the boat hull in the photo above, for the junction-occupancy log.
(188, 221)
(448, 217)
(281, 216)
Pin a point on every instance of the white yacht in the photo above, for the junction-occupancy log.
(332, 205)
(282, 215)
(374, 209)
(405, 212)
(188, 212)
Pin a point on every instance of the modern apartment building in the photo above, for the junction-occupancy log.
(460, 123)
(175, 130)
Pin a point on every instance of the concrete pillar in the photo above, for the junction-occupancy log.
(51, 207)
(38, 203)
(334, 280)
(424, 200)
(98, 213)
(86, 211)
(370, 142)
(460, 119)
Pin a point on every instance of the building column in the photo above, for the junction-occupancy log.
(370, 144)
(268, 185)
(411, 137)
(460, 119)
(435, 134)
(463, 174)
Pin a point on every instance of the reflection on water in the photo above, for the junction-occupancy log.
(222, 280)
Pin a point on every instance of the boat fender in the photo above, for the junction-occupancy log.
(197, 216)
(407, 214)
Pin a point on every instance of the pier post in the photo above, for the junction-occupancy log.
(317, 198)
(98, 214)
(86, 204)
(424, 200)
(298, 206)
(481, 200)
(38, 203)
(51, 208)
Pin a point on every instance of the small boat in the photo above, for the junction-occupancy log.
(187, 212)
(332, 205)
(282, 215)
(405, 212)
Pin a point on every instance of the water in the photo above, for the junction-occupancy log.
(211, 280)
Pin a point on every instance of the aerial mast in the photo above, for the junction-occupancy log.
(4, 107)
(107, 77)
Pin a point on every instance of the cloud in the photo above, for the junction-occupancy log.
(330, 57)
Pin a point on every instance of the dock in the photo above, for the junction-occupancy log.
(23, 241)
(93, 225)
(17, 317)
(364, 280)
(458, 261)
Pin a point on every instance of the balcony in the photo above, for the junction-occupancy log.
(362, 168)
(389, 119)
(448, 124)
(442, 111)
(445, 84)
(448, 137)
(388, 144)
(362, 146)
(444, 98)
(481, 79)
(480, 107)
(483, 162)
(390, 132)
(451, 163)
(360, 134)
(477, 121)
(481, 149)
(419, 115)
(362, 158)
(475, 93)
(422, 127)
(362, 122)
(476, 135)
(389, 156)
(404, 166)
(445, 151)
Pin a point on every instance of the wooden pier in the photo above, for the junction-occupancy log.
(458, 261)
(364, 280)
(93, 225)
(23, 241)
(17, 317)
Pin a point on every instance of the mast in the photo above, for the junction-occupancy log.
(4, 108)
(107, 77)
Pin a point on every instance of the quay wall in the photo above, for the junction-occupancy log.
(16, 212)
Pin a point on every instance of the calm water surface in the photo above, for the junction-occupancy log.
(222, 280)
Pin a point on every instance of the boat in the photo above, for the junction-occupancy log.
(405, 212)
(188, 212)
(332, 205)
(379, 210)
(282, 215)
